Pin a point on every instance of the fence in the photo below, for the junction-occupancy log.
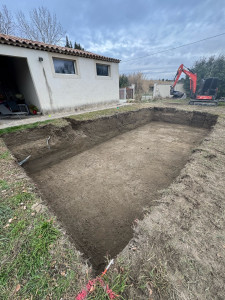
(127, 93)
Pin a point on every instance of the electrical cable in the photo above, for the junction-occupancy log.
(184, 45)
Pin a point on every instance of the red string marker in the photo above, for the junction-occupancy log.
(91, 283)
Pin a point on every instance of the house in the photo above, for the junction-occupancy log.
(55, 78)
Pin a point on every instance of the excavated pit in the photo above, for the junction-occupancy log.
(99, 175)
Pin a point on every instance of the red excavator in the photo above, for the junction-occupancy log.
(207, 92)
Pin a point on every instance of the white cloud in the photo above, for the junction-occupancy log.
(130, 29)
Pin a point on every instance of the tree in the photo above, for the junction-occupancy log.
(205, 68)
(7, 25)
(78, 46)
(123, 81)
(68, 43)
(139, 80)
(41, 26)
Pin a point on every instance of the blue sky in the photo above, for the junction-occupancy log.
(128, 29)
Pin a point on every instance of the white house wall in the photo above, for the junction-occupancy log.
(67, 91)
(163, 90)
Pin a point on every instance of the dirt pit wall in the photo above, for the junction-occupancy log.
(99, 175)
(49, 144)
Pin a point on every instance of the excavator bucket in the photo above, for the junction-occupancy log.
(176, 94)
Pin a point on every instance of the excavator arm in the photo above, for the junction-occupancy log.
(207, 92)
(192, 77)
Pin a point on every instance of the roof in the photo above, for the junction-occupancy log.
(20, 42)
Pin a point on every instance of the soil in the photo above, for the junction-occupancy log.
(99, 193)
(74, 136)
(100, 175)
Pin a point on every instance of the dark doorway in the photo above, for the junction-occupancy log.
(17, 91)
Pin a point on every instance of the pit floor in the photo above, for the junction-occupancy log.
(99, 193)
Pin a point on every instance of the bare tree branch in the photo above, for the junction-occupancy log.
(7, 25)
(41, 26)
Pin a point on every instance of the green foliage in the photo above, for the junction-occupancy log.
(123, 81)
(76, 45)
(211, 67)
(68, 43)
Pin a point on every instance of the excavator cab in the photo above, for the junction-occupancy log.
(209, 87)
(207, 92)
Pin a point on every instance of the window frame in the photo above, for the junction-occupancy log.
(65, 59)
(76, 60)
(109, 70)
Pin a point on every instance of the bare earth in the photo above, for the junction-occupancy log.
(99, 193)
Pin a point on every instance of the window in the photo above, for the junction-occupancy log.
(64, 66)
(102, 70)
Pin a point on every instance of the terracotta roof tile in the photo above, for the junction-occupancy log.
(20, 42)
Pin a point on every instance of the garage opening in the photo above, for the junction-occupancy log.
(17, 91)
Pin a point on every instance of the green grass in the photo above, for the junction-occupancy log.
(32, 257)
(34, 253)
(5, 214)
(25, 242)
(104, 112)
(23, 127)
(5, 155)
(25, 246)
(155, 279)
(62, 121)
(23, 197)
(117, 282)
(55, 122)
(4, 185)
